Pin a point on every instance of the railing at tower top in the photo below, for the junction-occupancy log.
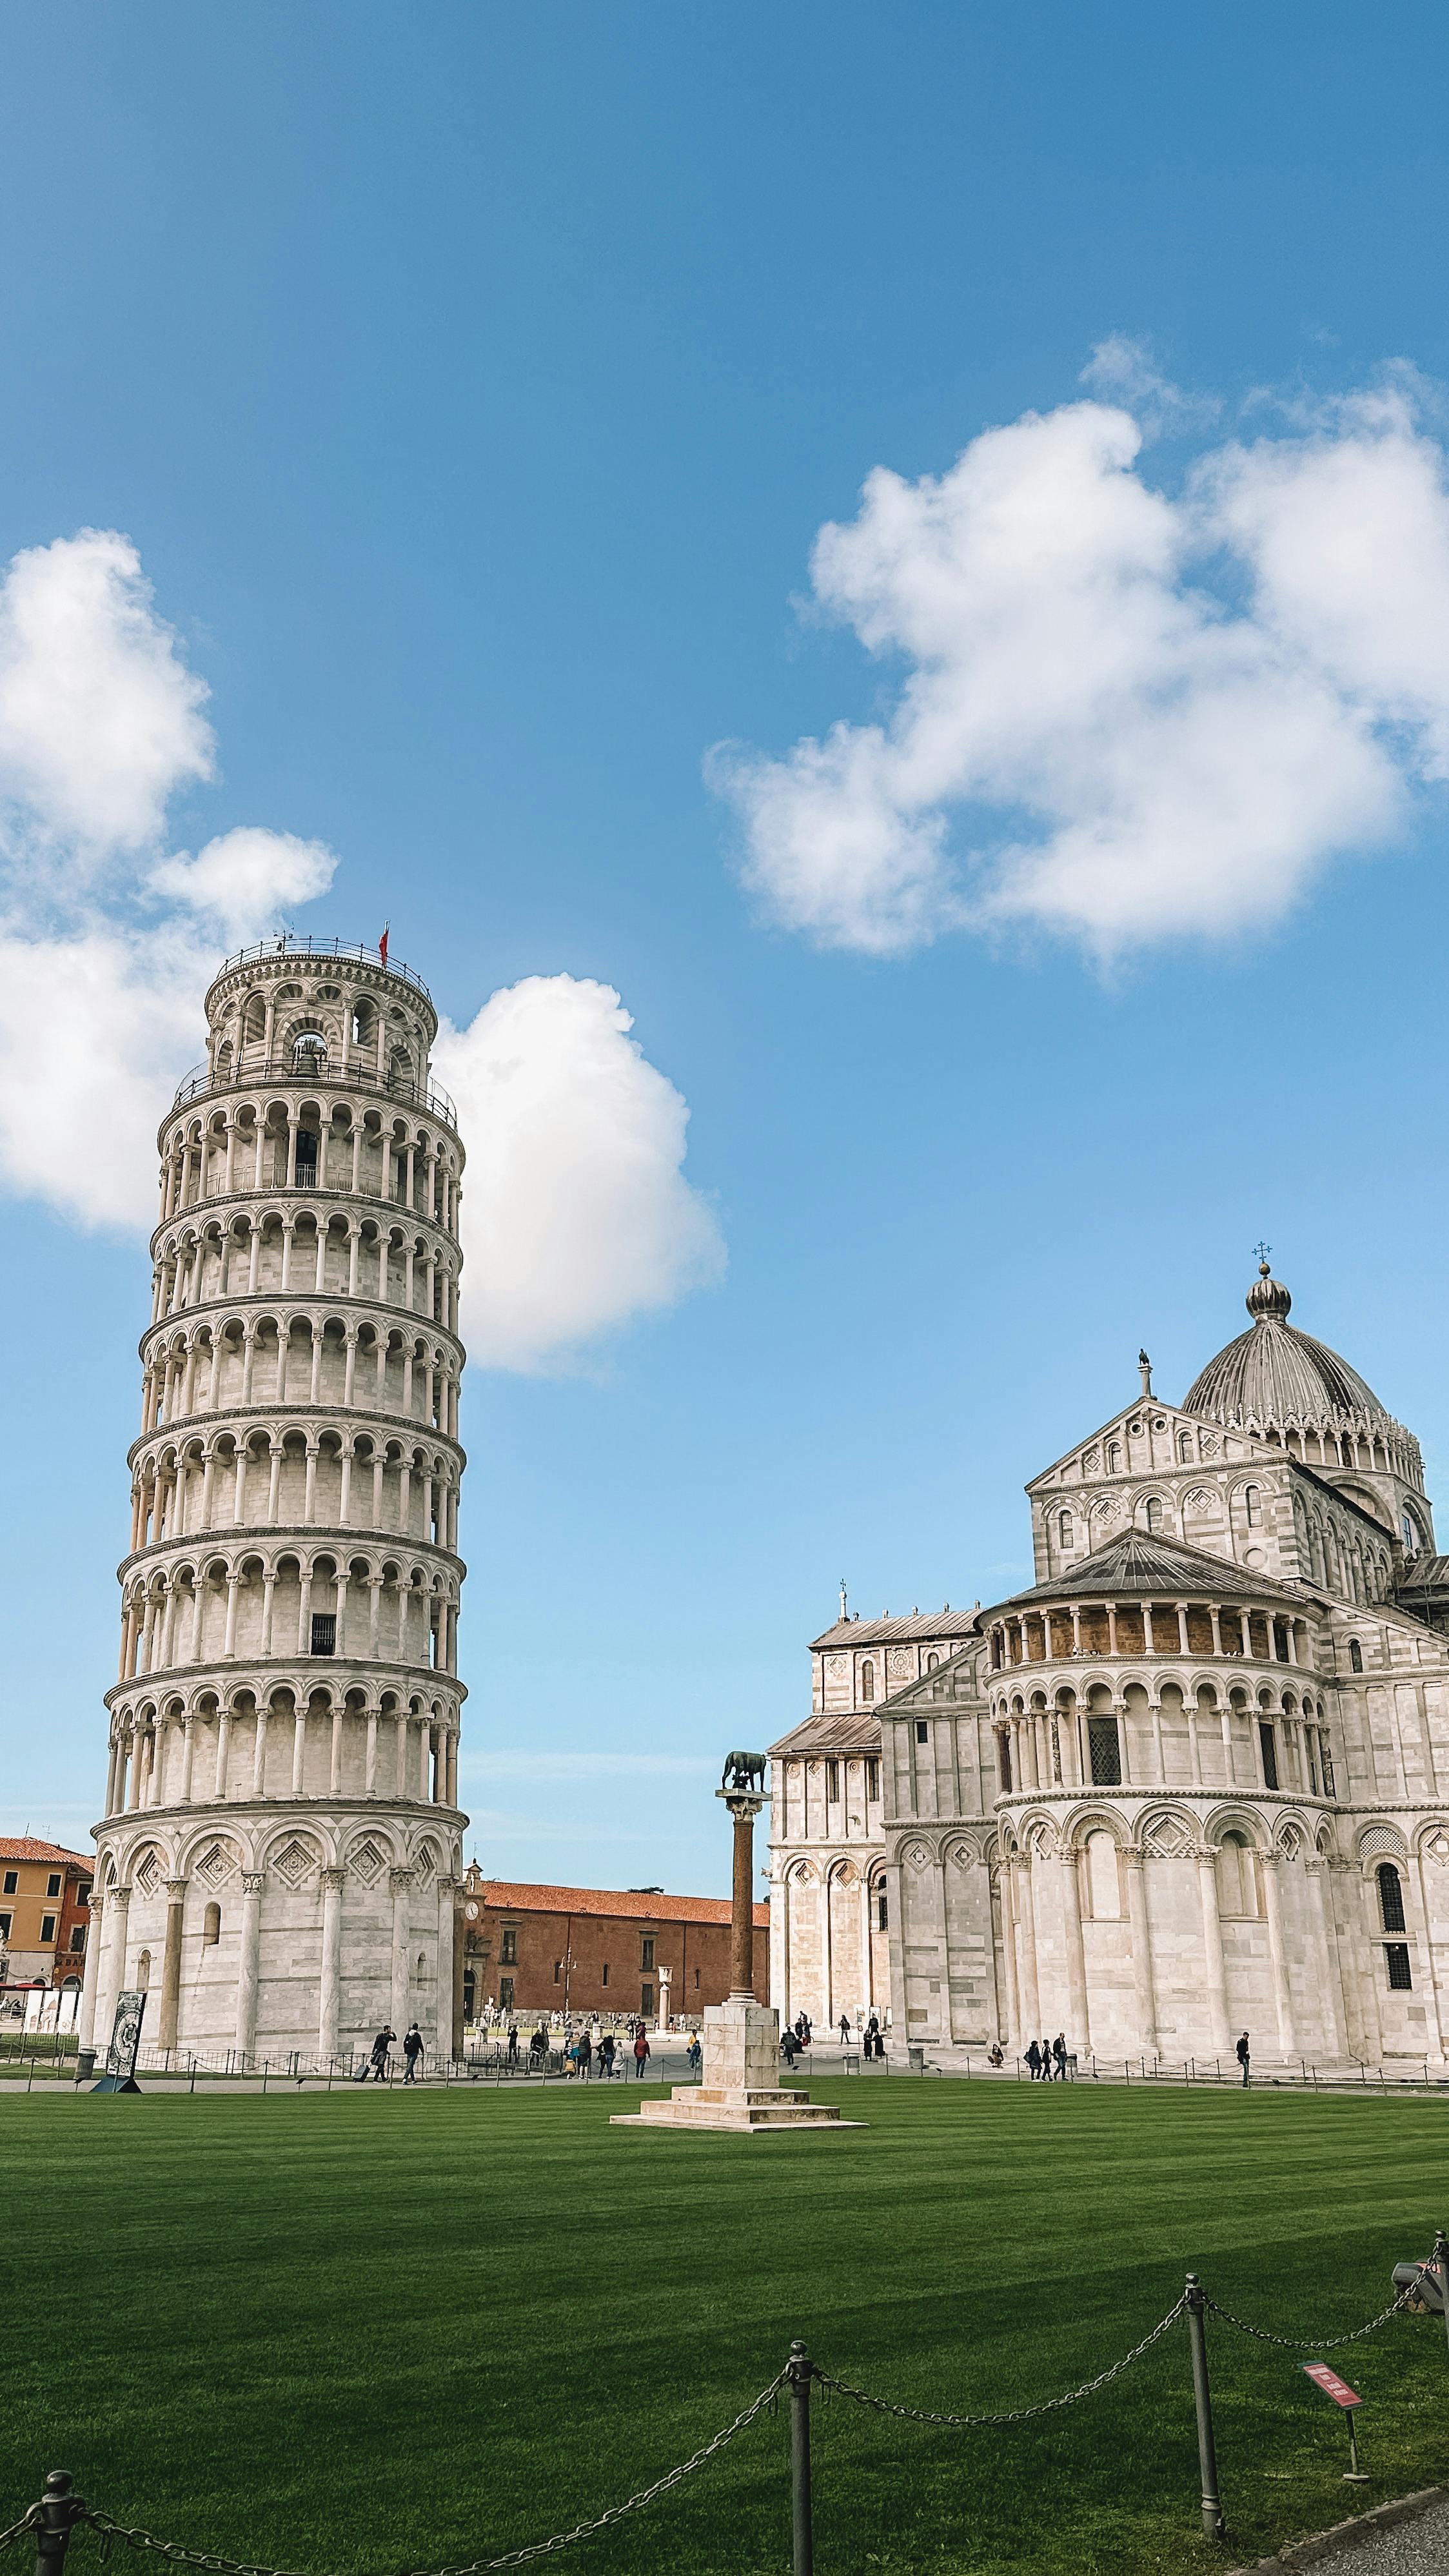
(314, 1068)
(287, 944)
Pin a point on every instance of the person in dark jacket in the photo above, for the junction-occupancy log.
(606, 2055)
(413, 2052)
(1244, 2055)
(380, 2047)
(1059, 2052)
(513, 2043)
(1033, 2059)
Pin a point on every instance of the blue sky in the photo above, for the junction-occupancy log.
(472, 386)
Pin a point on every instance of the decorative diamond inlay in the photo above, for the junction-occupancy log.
(294, 1863)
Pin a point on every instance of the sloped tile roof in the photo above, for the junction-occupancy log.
(846, 1730)
(925, 1625)
(637, 1905)
(26, 1847)
(1136, 1563)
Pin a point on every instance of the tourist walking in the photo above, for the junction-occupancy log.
(538, 2045)
(586, 2055)
(694, 2057)
(641, 2051)
(845, 2030)
(1059, 2052)
(1048, 2070)
(874, 2044)
(413, 2052)
(789, 2048)
(513, 2043)
(378, 2060)
(1244, 2056)
(1033, 2059)
(606, 2055)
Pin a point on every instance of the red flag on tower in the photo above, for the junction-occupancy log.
(382, 943)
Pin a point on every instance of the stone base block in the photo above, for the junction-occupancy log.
(763, 2112)
(741, 2046)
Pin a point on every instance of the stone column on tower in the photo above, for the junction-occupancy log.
(282, 1824)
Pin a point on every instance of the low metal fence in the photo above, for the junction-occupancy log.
(59, 2512)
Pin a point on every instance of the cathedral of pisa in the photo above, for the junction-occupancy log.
(1194, 1780)
(282, 1838)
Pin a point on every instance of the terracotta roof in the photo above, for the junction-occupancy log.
(507, 1896)
(926, 1624)
(846, 1730)
(26, 1847)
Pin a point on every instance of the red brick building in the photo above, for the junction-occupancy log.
(45, 1898)
(587, 1950)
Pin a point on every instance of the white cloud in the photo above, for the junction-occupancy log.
(1123, 714)
(576, 1212)
(243, 880)
(105, 946)
(100, 720)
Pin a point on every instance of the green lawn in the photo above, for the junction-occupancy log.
(380, 2331)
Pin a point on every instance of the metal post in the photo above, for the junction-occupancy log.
(57, 2513)
(1441, 2266)
(1207, 2458)
(800, 2374)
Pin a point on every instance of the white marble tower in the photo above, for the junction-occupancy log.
(281, 1839)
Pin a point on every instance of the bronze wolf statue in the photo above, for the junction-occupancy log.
(744, 1771)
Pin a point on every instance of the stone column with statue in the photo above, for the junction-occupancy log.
(740, 2086)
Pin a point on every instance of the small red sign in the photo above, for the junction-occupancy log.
(1326, 2378)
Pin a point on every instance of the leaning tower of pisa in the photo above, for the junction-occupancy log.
(282, 1835)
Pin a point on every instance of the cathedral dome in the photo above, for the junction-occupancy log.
(1274, 1377)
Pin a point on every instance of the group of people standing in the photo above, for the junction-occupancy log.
(1047, 2059)
(794, 2038)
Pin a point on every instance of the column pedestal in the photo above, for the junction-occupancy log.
(741, 2088)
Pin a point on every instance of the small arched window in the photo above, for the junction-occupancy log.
(309, 1052)
(1391, 1896)
(143, 1972)
(1237, 1879)
(931, 1662)
(1411, 1535)
(1154, 1514)
(1184, 1446)
(1355, 1656)
(1067, 1530)
(211, 1927)
(867, 1681)
(1114, 1458)
(1252, 1506)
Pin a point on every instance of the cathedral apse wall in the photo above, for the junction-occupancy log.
(1196, 1778)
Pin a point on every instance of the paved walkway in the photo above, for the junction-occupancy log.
(1418, 2547)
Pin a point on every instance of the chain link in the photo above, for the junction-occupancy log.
(18, 2529)
(172, 2549)
(1018, 2414)
(1327, 2343)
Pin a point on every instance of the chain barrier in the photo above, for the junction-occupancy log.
(1018, 2414)
(1328, 2343)
(797, 2376)
(137, 2538)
